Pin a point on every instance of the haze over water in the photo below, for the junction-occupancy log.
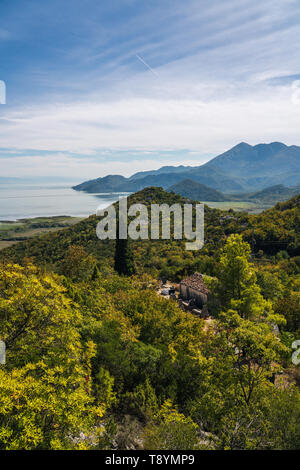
(18, 201)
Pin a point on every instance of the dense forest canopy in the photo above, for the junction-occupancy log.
(275, 230)
(98, 360)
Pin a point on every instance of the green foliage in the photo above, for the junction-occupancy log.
(45, 385)
(124, 258)
(78, 265)
(37, 320)
(197, 191)
(289, 308)
(43, 408)
(237, 399)
(272, 231)
(171, 431)
(99, 360)
(238, 289)
(270, 285)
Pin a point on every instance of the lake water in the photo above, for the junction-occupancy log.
(18, 201)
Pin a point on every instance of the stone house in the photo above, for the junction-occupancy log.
(194, 290)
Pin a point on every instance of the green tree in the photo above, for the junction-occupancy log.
(45, 407)
(171, 430)
(236, 396)
(124, 263)
(46, 396)
(237, 287)
(270, 284)
(251, 350)
(78, 265)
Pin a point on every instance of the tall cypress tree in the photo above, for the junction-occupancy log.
(124, 258)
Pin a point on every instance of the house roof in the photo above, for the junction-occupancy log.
(195, 281)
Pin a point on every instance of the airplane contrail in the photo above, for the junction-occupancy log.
(148, 66)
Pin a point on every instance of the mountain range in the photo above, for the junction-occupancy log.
(243, 168)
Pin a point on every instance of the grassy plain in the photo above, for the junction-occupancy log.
(251, 207)
(13, 232)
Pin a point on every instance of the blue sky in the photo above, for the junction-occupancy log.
(80, 102)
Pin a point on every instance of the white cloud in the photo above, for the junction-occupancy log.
(157, 123)
(213, 63)
(61, 164)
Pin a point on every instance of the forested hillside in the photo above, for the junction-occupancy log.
(196, 191)
(272, 231)
(97, 360)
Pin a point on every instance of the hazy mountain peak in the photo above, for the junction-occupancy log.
(241, 146)
(262, 160)
(273, 146)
